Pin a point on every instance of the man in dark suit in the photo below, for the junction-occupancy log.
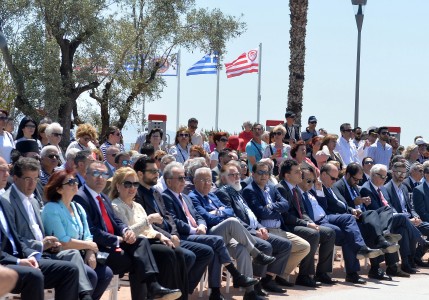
(81, 160)
(299, 223)
(197, 255)
(34, 273)
(126, 252)
(223, 158)
(30, 227)
(400, 201)
(347, 233)
(217, 215)
(268, 206)
(192, 227)
(367, 164)
(415, 177)
(400, 223)
(110, 164)
(292, 130)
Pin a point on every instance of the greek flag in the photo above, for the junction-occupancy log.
(206, 65)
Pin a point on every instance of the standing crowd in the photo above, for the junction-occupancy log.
(258, 205)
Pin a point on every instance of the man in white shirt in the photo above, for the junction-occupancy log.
(345, 145)
(381, 151)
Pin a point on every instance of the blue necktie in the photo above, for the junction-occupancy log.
(308, 205)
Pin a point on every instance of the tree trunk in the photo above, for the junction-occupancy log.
(298, 21)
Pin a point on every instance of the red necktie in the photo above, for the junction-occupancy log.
(105, 216)
(187, 213)
(383, 200)
(296, 199)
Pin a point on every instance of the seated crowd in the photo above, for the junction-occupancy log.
(259, 204)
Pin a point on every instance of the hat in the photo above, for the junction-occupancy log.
(312, 119)
(420, 141)
(290, 114)
(372, 129)
(27, 146)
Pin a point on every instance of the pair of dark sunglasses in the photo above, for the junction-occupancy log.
(71, 182)
(129, 184)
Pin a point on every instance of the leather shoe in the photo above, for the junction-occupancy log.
(324, 278)
(396, 271)
(388, 247)
(408, 269)
(163, 293)
(306, 280)
(365, 252)
(419, 262)
(283, 282)
(252, 295)
(218, 296)
(355, 278)
(393, 237)
(243, 281)
(378, 274)
(259, 291)
(271, 286)
(263, 259)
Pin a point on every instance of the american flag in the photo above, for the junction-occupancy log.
(245, 63)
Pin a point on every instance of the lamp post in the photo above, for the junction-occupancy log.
(358, 6)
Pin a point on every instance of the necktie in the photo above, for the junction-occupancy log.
(416, 183)
(331, 192)
(210, 202)
(187, 213)
(105, 216)
(383, 200)
(309, 205)
(296, 199)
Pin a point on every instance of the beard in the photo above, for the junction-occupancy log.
(236, 186)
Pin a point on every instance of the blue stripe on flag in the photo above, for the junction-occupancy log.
(206, 65)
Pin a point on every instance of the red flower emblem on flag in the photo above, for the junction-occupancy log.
(252, 54)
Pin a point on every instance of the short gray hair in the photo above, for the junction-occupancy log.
(167, 159)
(192, 165)
(53, 126)
(168, 171)
(48, 148)
(377, 168)
(415, 166)
(203, 170)
(71, 154)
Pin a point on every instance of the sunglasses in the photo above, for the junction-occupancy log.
(206, 181)
(368, 162)
(193, 126)
(384, 133)
(234, 175)
(86, 139)
(332, 178)
(313, 122)
(71, 182)
(381, 176)
(105, 175)
(310, 181)
(400, 173)
(261, 173)
(152, 171)
(129, 184)
(257, 129)
(348, 130)
(53, 156)
(126, 162)
(184, 135)
(180, 178)
(30, 126)
(2, 118)
(57, 134)
(278, 133)
(117, 134)
(223, 140)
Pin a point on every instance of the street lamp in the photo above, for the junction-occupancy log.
(358, 6)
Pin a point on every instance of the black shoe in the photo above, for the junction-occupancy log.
(388, 247)
(252, 295)
(425, 246)
(393, 237)
(396, 271)
(306, 280)
(271, 286)
(85, 296)
(378, 274)
(419, 262)
(216, 296)
(355, 278)
(259, 291)
(283, 282)
(163, 293)
(324, 278)
(365, 252)
(408, 269)
(243, 281)
(263, 259)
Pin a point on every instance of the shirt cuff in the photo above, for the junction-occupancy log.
(320, 193)
(36, 255)
(192, 230)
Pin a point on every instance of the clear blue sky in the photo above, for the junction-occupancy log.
(394, 66)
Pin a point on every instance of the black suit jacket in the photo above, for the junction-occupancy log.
(368, 190)
(297, 135)
(396, 203)
(342, 192)
(292, 218)
(421, 201)
(104, 240)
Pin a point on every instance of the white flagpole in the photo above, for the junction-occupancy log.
(178, 90)
(259, 83)
(217, 94)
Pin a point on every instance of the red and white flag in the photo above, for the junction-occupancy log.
(245, 63)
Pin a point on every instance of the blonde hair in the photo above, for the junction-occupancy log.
(86, 129)
(118, 178)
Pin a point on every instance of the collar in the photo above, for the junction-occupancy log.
(374, 186)
(93, 193)
(175, 194)
(20, 194)
(289, 185)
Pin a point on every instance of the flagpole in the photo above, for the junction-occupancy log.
(217, 94)
(259, 84)
(178, 90)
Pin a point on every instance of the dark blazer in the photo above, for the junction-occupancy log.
(256, 201)
(175, 209)
(292, 218)
(22, 220)
(331, 205)
(104, 239)
(409, 184)
(169, 227)
(109, 170)
(342, 192)
(297, 135)
(368, 190)
(421, 201)
(363, 180)
(204, 208)
(394, 199)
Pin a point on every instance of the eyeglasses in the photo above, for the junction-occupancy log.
(400, 173)
(156, 136)
(71, 182)
(53, 156)
(332, 178)
(129, 184)
(420, 171)
(278, 133)
(368, 162)
(126, 162)
(243, 166)
(158, 158)
(257, 128)
(347, 130)
(30, 126)
(313, 122)
(223, 140)
(86, 139)
(57, 134)
(29, 180)
(384, 133)
(310, 181)
(261, 173)
(113, 154)
(234, 175)
(152, 171)
(180, 178)
(381, 176)
(105, 175)
(118, 134)
(3, 118)
(184, 135)
(356, 179)
(206, 181)
(193, 126)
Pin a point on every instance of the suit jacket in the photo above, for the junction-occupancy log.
(409, 184)
(22, 221)
(363, 180)
(256, 201)
(297, 135)
(368, 190)
(331, 205)
(169, 227)
(104, 240)
(175, 209)
(342, 192)
(230, 197)
(421, 201)
(394, 199)
(109, 170)
(292, 218)
(6, 253)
